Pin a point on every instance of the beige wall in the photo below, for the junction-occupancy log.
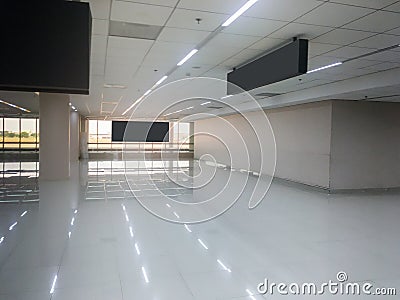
(365, 149)
(302, 136)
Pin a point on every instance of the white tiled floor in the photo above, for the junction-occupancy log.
(79, 232)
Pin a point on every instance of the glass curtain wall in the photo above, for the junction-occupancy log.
(100, 138)
(19, 133)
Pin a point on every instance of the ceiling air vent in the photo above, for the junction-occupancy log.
(134, 30)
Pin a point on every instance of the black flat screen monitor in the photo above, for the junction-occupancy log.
(45, 46)
(286, 62)
(132, 131)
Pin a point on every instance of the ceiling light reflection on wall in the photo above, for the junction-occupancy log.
(239, 12)
(205, 103)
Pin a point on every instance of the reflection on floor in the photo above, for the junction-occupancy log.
(89, 238)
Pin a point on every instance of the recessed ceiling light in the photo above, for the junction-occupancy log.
(15, 106)
(161, 80)
(325, 67)
(187, 57)
(239, 12)
(115, 86)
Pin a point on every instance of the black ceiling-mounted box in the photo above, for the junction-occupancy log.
(286, 62)
(45, 46)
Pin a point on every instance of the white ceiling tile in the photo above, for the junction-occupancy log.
(179, 35)
(140, 13)
(315, 49)
(379, 41)
(342, 36)
(384, 66)
(389, 56)
(128, 48)
(170, 3)
(334, 15)
(254, 26)
(100, 8)
(395, 31)
(100, 27)
(183, 18)
(379, 21)
(243, 57)
(395, 7)
(167, 52)
(225, 7)
(213, 55)
(348, 52)
(300, 30)
(378, 4)
(285, 10)
(227, 40)
(267, 44)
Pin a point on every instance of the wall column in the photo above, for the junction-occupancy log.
(74, 136)
(54, 151)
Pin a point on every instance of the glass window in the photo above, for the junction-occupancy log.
(28, 133)
(37, 133)
(1, 133)
(104, 132)
(11, 133)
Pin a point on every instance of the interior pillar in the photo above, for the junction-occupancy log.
(54, 147)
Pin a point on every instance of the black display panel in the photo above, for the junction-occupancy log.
(130, 131)
(45, 46)
(286, 62)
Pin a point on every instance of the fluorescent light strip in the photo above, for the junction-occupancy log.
(161, 80)
(187, 57)
(15, 106)
(53, 285)
(69, 234)
(325, 67)
(188, 229)
(137, 249)
(169, 206)
(148, 92)
(72, 221)
(202, 243)
(2, 239)
(126, 217)
(239, 12)
(24, 213)
(205, 103)
(12, 226)
(115, 86)
(131, 231)
(223, 266)
(75, 211)
(176, 215)
(145, 275)
(130, 107)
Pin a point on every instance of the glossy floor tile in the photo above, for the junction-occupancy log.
(91, 238)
